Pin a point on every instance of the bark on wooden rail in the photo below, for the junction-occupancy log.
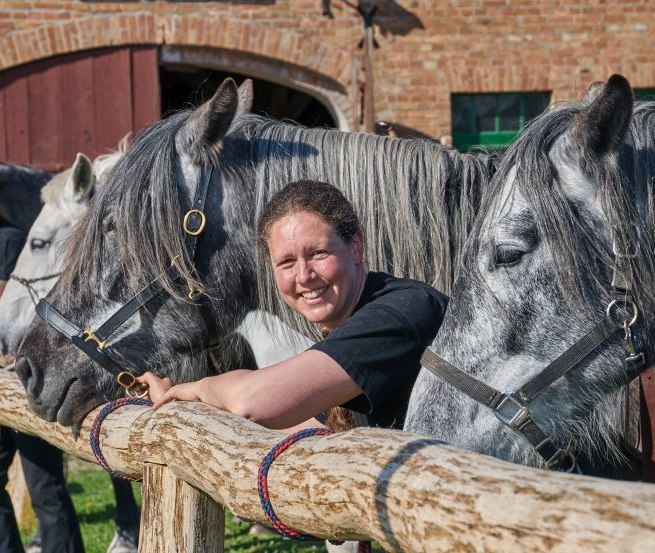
(407, 492)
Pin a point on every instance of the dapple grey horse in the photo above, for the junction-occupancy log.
(565, 228)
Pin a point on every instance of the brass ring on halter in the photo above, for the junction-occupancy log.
(630, 306)
(90, 336)
(126, 379)
(185, 224)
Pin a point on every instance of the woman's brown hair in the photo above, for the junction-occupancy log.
(316, 197)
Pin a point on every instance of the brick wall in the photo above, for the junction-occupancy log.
(428, 48)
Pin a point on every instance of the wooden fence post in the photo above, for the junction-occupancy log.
(20, 497)
(176, 517)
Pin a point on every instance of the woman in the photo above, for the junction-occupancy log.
(376, 326)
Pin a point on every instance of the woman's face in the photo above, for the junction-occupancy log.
(318, 274)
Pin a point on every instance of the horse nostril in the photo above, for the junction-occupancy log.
(24, 371)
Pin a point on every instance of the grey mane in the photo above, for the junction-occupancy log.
(417, 200)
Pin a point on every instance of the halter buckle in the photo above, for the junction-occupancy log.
(511, 411)
(90, 336)
(187, 218)
(132, 388)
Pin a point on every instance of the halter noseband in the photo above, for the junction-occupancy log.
(513, 408)
(95, 343)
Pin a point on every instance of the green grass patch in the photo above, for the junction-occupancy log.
(93, 496)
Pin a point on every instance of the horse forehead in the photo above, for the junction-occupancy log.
(510, 201)
(53, 218)
(578, 186)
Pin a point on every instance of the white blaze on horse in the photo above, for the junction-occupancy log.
(417, 200)
(564, 244)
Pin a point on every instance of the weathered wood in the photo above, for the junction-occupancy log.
(407, 492)
(176, 517)
(20, 497)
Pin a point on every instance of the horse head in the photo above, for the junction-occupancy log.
(132, 236)
(65, 200)
(551, 249)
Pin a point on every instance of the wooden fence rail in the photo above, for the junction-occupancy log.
(407, 492)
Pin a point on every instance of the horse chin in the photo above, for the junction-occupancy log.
(76, 404)
(70, 408)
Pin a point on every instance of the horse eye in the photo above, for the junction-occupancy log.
(38, 244)
(506, 256)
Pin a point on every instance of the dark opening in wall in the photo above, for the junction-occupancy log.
(187, 86)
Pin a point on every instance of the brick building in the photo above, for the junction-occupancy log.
(472, 69)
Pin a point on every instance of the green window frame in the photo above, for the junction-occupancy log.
(493, 120)
(644, 93)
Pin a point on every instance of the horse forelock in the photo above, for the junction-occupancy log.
(141, 193)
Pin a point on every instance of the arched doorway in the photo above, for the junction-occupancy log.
(183, 86)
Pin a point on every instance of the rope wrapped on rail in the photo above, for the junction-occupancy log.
(262, 485)
(94, 435)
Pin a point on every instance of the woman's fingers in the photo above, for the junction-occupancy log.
(183, 392)
(156, 386)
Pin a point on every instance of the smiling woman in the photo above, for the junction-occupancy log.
(375, 326)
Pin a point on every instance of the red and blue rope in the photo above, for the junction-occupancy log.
(262, 485)
(94, 435)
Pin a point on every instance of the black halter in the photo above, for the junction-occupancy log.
(95, 343)
(513, 408)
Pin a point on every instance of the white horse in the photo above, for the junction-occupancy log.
(65, 200)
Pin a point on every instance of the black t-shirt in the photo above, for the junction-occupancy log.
(381, 344)
(12, 241)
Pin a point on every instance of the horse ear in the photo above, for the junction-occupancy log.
(602, 126)
(81, 180)
(211, 121)
(245, 97)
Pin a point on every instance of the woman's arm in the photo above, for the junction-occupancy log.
(280, 396)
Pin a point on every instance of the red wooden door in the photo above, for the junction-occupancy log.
(84, 102)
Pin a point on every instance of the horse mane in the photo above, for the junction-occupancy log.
(626, 190)
(415, 198)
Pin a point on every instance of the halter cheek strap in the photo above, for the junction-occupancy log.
(512, 408)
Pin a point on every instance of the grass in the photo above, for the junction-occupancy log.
(93, 497)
